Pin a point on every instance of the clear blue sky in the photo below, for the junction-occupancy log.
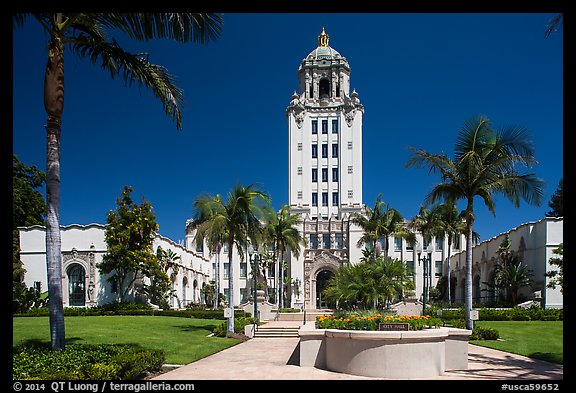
(419, 77)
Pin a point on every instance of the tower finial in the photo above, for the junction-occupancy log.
(323, 38)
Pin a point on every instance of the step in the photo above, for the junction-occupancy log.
(277, 331)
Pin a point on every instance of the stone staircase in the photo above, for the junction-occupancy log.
(275, 329)
(287, 324)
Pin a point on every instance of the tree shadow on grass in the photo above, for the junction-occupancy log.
(193, 328)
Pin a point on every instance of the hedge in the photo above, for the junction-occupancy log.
(503, 314)
(132, 309)
(84, 361)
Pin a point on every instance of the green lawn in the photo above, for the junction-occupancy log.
(536, 339)
(183, 340)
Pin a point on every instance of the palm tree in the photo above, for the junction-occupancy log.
(210, 229)
(84, 35)
(380, 222)
(442, 220)
(486, 162)
(282, 232)
(237, 218)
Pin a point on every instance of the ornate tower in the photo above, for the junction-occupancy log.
(325, 164)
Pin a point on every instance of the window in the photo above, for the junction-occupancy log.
(350, 170)
(397, 244)
(334, 150)
(335, 126)
(314, 151)
(350, 194)
(314, 199)
(324, 126)
(299, 194)
(76, 286)
(326, 241)
(324, 88)
(324, 199)
(335, 198)
(313, 241)
(339, 240)
(334, 174)
(299, 170)
(439, 243)
(324, 150)
(226, 271)
(324, 175)
(349, 145)
(314, 126)
(314, 175)
(243, 269)
(299, 146)
(199, 246)
(410, 267)
(438, 268)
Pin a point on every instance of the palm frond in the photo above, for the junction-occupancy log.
(134, 68)
(181, 27)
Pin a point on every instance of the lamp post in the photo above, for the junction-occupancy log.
(254, 265)
(425, 260)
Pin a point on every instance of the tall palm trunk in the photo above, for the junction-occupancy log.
(468, 285)
(449, 268)
(217, 280)
(54, 105)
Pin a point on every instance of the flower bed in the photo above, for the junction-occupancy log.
(371, 321)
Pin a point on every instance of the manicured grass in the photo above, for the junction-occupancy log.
(183, 340)
(536, 339)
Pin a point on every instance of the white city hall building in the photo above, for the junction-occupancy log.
(325, 189)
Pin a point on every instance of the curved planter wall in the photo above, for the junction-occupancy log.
(385, 354)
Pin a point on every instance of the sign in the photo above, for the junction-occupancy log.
(474, 315)
(227, 312)
(392, 327)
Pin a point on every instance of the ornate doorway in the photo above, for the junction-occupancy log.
(322, 280)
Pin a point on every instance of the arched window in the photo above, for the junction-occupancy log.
(76, 286)
(324, 88)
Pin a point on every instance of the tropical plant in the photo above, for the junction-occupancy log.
(238, 218)
(372, 283)
(509, 275)
(129, 236)
(378, 222)
(85, 35)
(282, 231)
(486, 162)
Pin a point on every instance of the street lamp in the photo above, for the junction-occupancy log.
(254, 266)
(426, 261)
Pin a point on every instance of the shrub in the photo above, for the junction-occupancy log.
(480, 333)
(239, 323)
(81, 361)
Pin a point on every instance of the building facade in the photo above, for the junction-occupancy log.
(82, 249)
(324, 121)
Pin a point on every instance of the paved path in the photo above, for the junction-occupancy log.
(277, 359)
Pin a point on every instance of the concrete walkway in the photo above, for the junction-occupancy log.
(278, 358)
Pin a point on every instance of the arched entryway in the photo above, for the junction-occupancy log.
(76, 286)
(322, 280)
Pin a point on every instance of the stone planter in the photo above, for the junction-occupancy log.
(385, 354)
